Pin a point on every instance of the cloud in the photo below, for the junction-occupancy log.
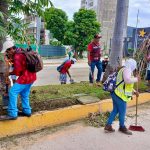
(72, 6)
(69, 6)
(144, 13)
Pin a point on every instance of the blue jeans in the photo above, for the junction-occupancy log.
(119, 106)
(24, 91)
(98, 65)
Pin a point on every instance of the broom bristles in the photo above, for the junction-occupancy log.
(137, 128)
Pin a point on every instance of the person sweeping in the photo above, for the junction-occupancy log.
(123, 94)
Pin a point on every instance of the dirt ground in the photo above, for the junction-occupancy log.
(47, 105)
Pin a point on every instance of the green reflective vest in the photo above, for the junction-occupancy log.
(124, 90)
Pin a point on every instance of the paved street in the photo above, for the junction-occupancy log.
(49, 75)
(78, 136)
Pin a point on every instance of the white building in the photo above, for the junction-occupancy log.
(89, 4)
(106, 12)
(37, 28)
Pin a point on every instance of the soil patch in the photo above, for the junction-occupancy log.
(47, 105)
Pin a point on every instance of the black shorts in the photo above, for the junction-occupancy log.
(148, 75)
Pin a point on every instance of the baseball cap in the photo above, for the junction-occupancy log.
(7, 44)
(97, 36)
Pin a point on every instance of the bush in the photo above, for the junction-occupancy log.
(55, 43)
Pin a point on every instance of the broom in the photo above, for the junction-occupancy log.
(136, 127)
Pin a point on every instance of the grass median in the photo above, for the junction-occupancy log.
(52, 97)
(42, 93)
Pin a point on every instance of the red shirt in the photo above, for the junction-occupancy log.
(25, 76)
(65, 68)
(94, 50)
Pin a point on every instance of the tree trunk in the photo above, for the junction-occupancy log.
(4, 10)
(80, 54)
(120, 28)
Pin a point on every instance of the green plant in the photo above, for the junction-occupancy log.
(81, 31)
(55, 43)
(11, 24)
(130, 50)
(56, 20)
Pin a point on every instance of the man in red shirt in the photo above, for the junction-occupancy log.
(65, 70)
(22, 85)
(94, 56)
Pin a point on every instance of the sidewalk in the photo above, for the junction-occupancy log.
(60, 60)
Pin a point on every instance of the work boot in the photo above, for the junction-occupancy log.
(125, 130)
(109, 129)
(6, 117)
(22, 114)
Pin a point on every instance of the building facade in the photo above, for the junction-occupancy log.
(37, 29)
(106, 13)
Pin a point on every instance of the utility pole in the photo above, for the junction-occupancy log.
(136, 36)
(116, 54)
(38, 25)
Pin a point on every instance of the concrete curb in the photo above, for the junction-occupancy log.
(58, 63)
(51, 118)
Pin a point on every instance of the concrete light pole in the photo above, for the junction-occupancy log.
(38, 25)
(119, 33)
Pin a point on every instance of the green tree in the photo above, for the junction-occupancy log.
(70, 37)
(80, 32)
(8, 21)
(56, 20)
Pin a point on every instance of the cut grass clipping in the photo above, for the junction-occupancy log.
(97, 119)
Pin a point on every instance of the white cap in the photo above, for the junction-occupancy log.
(74, 60)
(7, 44)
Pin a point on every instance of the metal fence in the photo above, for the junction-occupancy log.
(46, 50)
(52, 51)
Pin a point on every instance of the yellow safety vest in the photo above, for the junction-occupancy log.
(124, 90)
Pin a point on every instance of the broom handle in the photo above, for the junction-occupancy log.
(136, 104)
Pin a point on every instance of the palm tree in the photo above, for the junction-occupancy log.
(118, 36)
(3, 20)
(16, 7)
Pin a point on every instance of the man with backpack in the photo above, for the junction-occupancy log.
(22, 85)
(64, 70)
(94, 56)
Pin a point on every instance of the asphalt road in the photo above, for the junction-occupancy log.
(49, 75)
(78, 136)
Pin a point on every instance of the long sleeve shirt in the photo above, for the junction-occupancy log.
(20, 69)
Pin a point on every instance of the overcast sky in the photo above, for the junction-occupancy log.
(71, 6)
